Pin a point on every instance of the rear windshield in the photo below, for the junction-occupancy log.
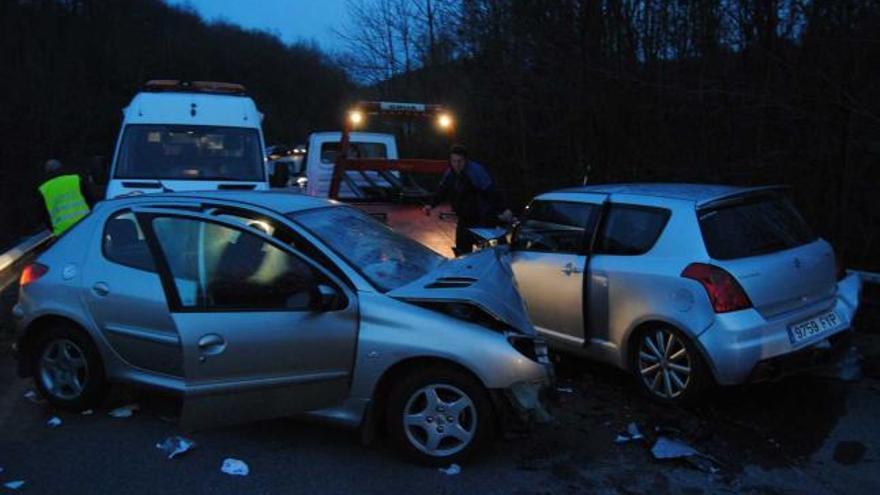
(181, 152)
(759, 225)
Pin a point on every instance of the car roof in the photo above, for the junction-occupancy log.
(698, 193)
(279, 201)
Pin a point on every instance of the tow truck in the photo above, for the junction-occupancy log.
(363, 169)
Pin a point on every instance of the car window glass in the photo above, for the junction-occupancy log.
(760, 225)
(123, 242)
(631, 230)
(330, 149)
(217, 267)
(554, 226)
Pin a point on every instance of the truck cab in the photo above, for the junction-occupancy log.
(180, 136)
(323, 150)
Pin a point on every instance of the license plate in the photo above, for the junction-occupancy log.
(805, 330)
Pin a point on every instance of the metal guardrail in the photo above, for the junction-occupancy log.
(13, 256)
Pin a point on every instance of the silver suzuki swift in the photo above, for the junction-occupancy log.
(682, 284)
(257, 305)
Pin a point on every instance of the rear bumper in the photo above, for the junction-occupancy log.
(737, 342)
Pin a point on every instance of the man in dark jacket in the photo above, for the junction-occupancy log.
(473, 196)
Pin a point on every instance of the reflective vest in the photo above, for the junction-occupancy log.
(64, 202)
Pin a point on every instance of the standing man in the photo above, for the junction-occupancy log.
(65, 197)
(474, 198)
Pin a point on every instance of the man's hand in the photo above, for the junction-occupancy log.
(427, 209)
(506, 216)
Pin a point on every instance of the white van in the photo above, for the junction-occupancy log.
(321, 158)
(197, 136)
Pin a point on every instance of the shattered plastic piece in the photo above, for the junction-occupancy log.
(235, 467)
(632, 434)
(87, 412)
(14, 485)
(54, 422)
(124, 411)
(665, 448)
(566, 390)
(34, 397)
(174, 446)
(452, 470)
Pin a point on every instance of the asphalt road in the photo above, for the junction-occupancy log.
(806, 434)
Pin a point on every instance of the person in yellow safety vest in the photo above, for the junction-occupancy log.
(65, 197)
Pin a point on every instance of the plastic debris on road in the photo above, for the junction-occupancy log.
(632, 434)
(124, 411)
(565, 390)
(235, 467)
(665, 448)
(452, 470)
(87, 412)
(14, 485)
(174, 446)
(54, 422)
(34, 397)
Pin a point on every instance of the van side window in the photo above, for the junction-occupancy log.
(555, 226)
(631, 230)
(124, 243)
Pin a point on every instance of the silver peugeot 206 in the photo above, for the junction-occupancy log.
(682, 284)
(254, 305)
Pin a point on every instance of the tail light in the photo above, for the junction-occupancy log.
(32, 273)
(723, 290)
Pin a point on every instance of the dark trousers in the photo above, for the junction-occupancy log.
(464, 239)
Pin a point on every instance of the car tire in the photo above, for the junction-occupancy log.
(427, 423)
(68, 370)
(667, 365)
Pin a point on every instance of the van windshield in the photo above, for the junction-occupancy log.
(190, 152)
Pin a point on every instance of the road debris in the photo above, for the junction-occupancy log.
(176, 445)
(665, 448)
(124, 411)
(235, 467)
(87, 412)
(14, 485)
(54, 422)
(565, 390)
(34, 397)
(452, 470)
(632, 434)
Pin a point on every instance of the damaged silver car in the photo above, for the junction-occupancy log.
(259, 305)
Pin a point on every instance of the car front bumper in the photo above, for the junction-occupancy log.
(736, 343)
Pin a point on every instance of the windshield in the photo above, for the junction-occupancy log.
(181, 152)
(387, 259)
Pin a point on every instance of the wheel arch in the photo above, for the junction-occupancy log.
(628, 350)
(31, 335)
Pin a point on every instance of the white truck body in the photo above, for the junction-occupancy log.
(188, 141)
(321, 158)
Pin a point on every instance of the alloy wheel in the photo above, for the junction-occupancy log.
(64, 370)
(664, 363)
(440, 420)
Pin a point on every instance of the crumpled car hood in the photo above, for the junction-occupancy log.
(483, 279)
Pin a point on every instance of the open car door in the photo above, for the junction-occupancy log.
(259, 339)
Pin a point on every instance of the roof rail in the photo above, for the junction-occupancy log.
(737, 195)
(177, 85)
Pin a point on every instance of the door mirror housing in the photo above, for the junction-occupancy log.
(325, 298)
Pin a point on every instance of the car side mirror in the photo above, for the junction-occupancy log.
(324, 298)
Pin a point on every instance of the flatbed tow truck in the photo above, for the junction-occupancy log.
(398, 200)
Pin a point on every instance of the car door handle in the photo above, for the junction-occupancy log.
(569, 268)
(211, 344)
(101, 289)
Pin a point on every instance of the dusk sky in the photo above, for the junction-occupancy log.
(292, 20)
